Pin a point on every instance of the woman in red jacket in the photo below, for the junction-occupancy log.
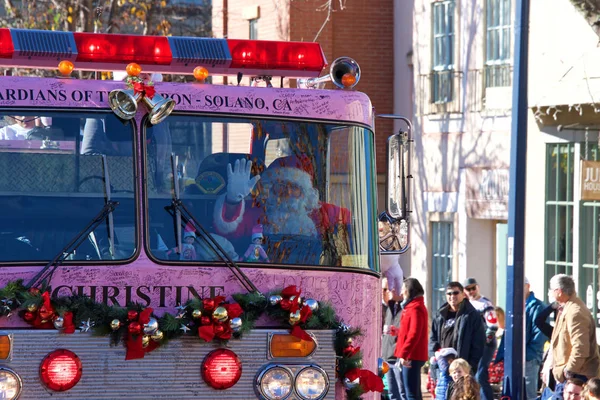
(411, 347)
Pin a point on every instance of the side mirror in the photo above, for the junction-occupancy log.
(398, 191)
(398, 175)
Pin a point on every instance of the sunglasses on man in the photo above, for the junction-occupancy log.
(471, 288)
(453, 293)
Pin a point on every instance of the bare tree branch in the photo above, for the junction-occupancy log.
(329, 7)
(10, 9)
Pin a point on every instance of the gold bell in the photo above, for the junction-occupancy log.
(124, 102)
(158, 107)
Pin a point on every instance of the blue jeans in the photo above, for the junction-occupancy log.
(532, 377)
(411, 379)
(395, 388)
(482, 376)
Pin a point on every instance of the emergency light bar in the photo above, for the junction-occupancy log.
(175, 55)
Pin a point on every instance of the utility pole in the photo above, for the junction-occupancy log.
(514, 387)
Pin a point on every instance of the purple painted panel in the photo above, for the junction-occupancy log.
(336, 105)
(356, 297)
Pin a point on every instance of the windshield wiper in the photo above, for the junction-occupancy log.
(66, 251)
(178, 207)
(105, 212)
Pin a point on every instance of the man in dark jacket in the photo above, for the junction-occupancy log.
(534, 342)
(458, 325)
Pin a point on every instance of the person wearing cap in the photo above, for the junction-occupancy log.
(457, 330)
(534, 342)
(486, 309)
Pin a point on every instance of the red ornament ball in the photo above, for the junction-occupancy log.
(28, 316)
(208, 304)
(132, 315)
(205, 320)
(135, 328)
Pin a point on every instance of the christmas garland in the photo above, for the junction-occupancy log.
(211, 319)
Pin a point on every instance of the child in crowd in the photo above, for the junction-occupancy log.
(443, 358)
(591, 391)
(463, 386)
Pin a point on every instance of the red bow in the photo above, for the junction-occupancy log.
(149, 90)
(218, 329)
(290, 291)
(233, 310)
(43, 317)
(135, 349)
(367, 379)
(68, 325)
(138, 87)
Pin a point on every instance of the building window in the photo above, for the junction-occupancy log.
(498, 40)
(560, 165)
(253, 29)
(442, 237)
(443, 51)
(589, 228)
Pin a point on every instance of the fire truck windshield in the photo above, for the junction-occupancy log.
(267, 191)
(57, 172)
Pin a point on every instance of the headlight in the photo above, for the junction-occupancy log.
(311, 383)
(10, 384)
(276, 383)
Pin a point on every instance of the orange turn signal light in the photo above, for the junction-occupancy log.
(5, 346)
(283, 345)
(382, 367)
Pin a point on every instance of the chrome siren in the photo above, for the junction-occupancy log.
(344, 73)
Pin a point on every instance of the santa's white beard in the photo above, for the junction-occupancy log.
(290, 216)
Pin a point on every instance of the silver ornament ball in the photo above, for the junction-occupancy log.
(348, 384)
(59, 322)
(275, 299)
(312, 304)
(151, 327)
(235, 323)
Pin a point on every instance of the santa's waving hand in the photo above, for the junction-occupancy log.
(239, 183)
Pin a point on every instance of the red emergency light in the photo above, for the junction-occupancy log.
(263, 54)
(173, 55)
(94, 47)
(6, 45)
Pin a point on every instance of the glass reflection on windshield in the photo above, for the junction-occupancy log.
(283, 192)
(54, 180)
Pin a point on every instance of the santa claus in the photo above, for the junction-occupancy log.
(287, 202)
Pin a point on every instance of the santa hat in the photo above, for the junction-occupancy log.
(297, 169)
(189, 230)
(257, 232)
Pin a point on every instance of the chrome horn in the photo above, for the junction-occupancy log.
(124, 102)
(158, 107)
(344, 73)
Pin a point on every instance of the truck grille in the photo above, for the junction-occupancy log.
(169, 372)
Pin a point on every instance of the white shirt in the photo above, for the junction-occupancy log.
(14, 132)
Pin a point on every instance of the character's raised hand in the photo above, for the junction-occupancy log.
(239, 183)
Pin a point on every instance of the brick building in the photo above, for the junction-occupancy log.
(363, 30)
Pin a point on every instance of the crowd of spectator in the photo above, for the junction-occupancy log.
(463, 346)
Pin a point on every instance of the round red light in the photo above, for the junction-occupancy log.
(221, 369)
(60, 370)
